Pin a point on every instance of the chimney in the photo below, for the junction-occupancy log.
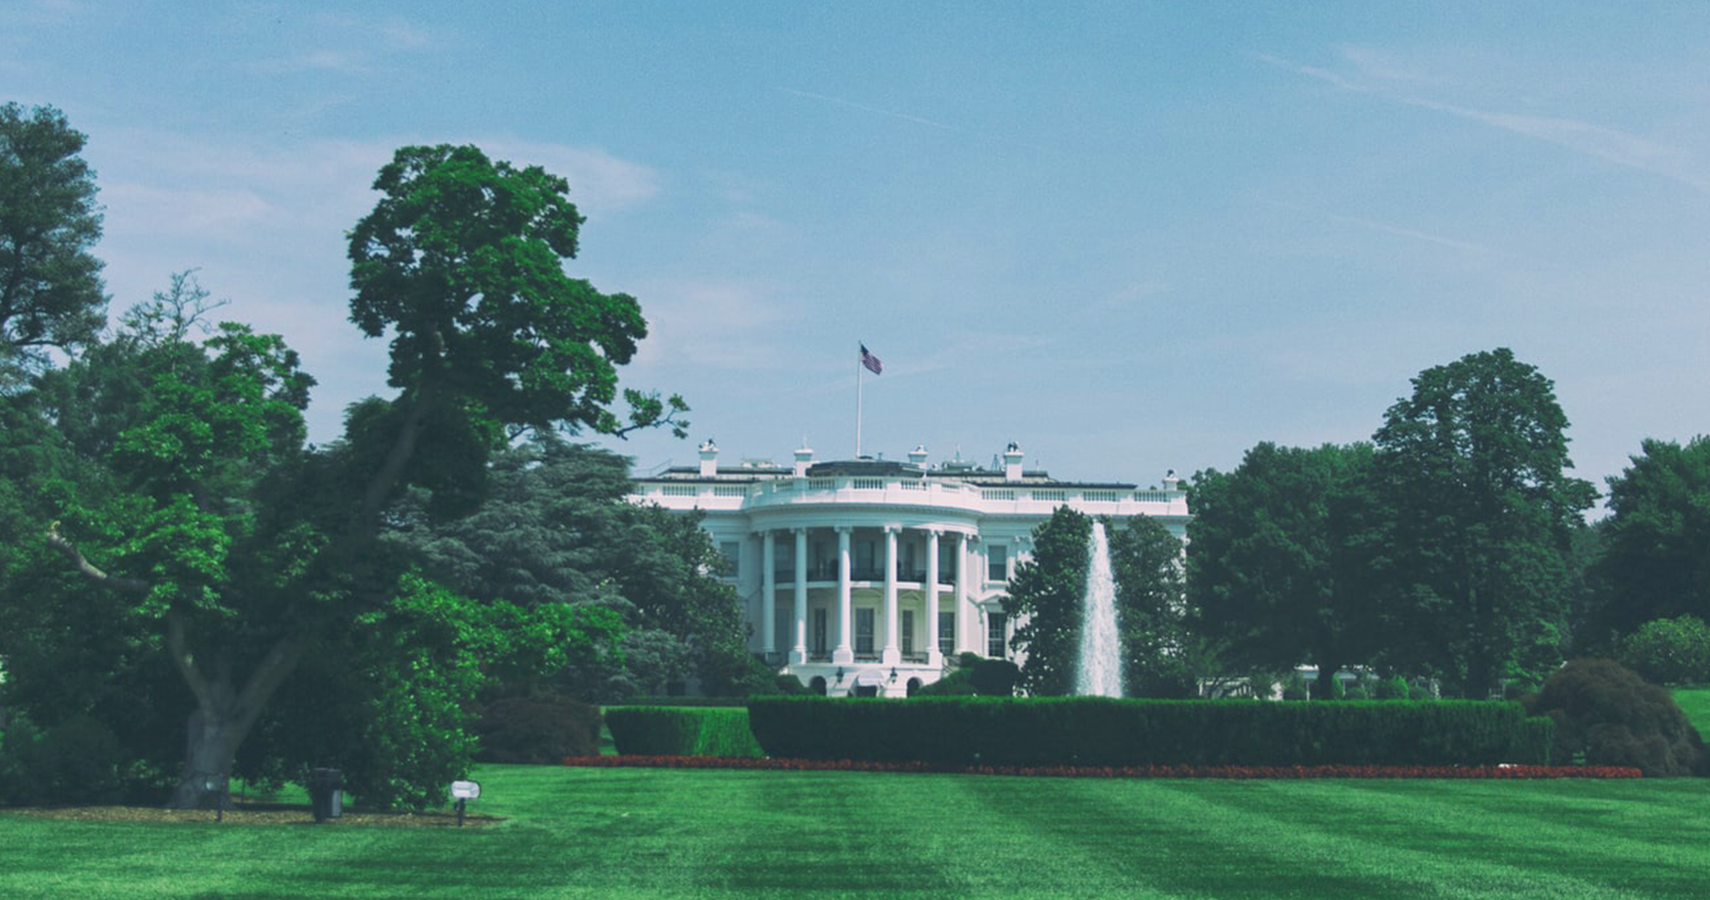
(804, 458)
(918, 455)
(709, 459)
(1012, 462)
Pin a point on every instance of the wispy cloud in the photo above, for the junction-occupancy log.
(1608, 144)
(729, 325)
(838, 101)
(344, 43)
(1382, 227)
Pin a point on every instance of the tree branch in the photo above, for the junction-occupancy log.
(89, 570)
(178, 649)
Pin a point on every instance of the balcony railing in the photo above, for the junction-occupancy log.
(827, 571)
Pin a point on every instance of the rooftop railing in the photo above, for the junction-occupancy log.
(1019, 499)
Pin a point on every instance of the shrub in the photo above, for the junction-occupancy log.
(681, 731)
(1669, 651)
(537, 730)
(959, 683)
(995, 677)
(1294, 686)
(76, 761)
(1392, 688)
(1612, 717)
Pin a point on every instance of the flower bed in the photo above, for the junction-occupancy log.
(1223, 772)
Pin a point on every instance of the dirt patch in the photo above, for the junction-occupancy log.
(256, 814)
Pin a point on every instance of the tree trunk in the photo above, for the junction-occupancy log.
(224, 715)
(1324, 687)
(211, 743)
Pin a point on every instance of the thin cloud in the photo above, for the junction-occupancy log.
(1608, 144)
(1383, 227)
(868, 109)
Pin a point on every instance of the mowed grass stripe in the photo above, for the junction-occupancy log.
(1650, 837)
(1451, 838)
(842, 834)
(1153, 836)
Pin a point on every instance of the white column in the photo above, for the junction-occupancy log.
(892, 655)
(933, 657)
(843, 654)
(798, 653)
(962, 567)
(769, 596)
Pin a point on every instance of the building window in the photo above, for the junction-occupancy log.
(907, 635)
(784, 560)
(732, 553)
(783, 626)
(864, 632)
(997, 563)
(818, 635)
(996, 644)
(947, 633)
(866, 569)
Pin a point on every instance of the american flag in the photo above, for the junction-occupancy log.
(870, 361)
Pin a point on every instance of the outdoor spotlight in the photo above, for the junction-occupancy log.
(893, 674)
(839, 674)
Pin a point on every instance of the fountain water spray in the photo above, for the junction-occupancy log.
(1098, 673)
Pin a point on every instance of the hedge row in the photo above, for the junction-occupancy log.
(1095, 731)
(681, 731)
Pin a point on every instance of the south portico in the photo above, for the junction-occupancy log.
(867, 603)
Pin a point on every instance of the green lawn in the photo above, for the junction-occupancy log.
(1695, 702)
(614, 833)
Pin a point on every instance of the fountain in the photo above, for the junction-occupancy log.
(1098, 672)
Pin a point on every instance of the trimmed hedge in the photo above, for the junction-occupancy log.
(681, 731)
(1096, 731)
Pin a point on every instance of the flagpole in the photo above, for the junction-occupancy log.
(859, 365)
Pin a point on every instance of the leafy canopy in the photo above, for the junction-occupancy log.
(51, 293)
(1475, 466)
(462, 261)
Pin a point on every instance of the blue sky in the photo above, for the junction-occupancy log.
(1132, 237)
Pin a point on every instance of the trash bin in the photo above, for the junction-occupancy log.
(326, 794)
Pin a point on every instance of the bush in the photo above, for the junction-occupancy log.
(1609, 716)
(1668, 651)
(681, 731)
(1392, 688)
(76, 761)
(959, 683)
(1294, 686)
(537, 730)
(995, 677)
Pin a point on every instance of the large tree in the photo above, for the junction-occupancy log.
(1475, 464)
(1046, 595)
(249, 550)
(558, 529)
(1282, 558)
(50, 283)
(1160, 658)
(1655, 561)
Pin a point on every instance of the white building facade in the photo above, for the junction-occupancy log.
(862, 577)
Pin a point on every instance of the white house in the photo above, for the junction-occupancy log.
(861, 576)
